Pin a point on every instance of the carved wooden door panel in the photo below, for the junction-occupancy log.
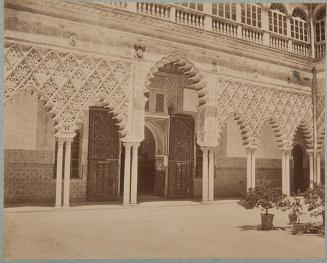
(181, 155)
(103, 156)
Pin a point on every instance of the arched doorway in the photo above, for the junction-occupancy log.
(300, 182)
(146, 166)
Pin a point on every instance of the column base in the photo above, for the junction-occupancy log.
(207, 202)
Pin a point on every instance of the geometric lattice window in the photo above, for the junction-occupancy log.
(320, 25)
(251, 15)
(160, 100)
(299, 25)
(277, 19)
(227, 11)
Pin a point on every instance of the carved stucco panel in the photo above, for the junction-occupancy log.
(69, 82)
(254, 104)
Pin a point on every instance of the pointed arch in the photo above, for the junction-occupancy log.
(241, 123)
(277, 130)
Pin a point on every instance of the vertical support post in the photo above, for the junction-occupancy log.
(211, 182)
(68, 146)
(253, 168)
(205, 174)
(318, 180)
(312, 33)
(287, 173)
(59, 172)
(265, 26)
(127, 173)
(207, 9)
(134, 173)
(284, 173)
(288, 25)
(311, 167)
(248, 169)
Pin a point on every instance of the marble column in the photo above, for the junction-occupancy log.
(205, 174)
(211, 181)
(287, 173)
(248, 169)
(253, 168)
(68, 145)
(311, 167)
(318, 177)
(284, 173)
(127, 173)
(134, 173)
(59, 172)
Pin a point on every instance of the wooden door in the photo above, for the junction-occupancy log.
(181, 155)
(103, 156)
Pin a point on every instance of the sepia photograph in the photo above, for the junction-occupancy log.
(163, 130)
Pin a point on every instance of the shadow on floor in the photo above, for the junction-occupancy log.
(258, 228)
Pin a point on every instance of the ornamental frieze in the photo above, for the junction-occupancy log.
(68, 82)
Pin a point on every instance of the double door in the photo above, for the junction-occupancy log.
(181, 156)
(103, 156)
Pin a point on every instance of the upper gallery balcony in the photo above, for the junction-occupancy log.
(294, 28)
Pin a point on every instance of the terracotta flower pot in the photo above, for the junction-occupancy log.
(299, 228)
(267, 221)
(292, 218)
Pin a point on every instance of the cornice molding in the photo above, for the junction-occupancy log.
(147, 26)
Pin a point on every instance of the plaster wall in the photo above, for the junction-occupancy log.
(20, 122)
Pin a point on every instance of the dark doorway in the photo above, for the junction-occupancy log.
(146, 166)
(181, 156)
(103, 156)
(300, 180)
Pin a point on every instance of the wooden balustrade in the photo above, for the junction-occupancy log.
(153, 9)
(300, 48)
(320, 49)
(223, 27)
(189, 18)
(278, 42)
(252, 35)
(206, 21)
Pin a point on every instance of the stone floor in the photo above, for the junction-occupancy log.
(162, 229)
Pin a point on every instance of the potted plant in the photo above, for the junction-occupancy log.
(314, 198)
(295, 208)
(265, 198)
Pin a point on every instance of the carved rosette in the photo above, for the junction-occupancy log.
(68, 82)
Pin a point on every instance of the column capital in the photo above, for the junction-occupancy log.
(286, 151)
(60, 141)
(135, 145)
(127, 145)
(251, 148)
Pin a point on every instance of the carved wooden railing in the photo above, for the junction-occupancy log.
(207, 21)
(320, 49)
(189, 17)
(153, 9)
(300, 48)
(278, 42)
(252, 34)
(224, 27)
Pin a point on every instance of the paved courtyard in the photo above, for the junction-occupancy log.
(163, 229)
